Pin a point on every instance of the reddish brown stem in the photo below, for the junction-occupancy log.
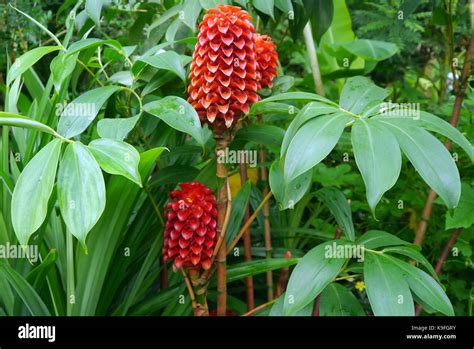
(247, 240)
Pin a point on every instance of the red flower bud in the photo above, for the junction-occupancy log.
(267, 59)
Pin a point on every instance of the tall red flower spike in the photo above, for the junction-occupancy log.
(190, 229)
(267, 59)
(224, 68)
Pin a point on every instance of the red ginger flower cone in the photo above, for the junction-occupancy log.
(267, 60)
(223, 78)
(190, 229)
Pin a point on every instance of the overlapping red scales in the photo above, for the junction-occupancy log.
(190, 228)
(223, 78)
(267, 60)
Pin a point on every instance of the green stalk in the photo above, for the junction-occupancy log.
(71, 296)
(5, 168)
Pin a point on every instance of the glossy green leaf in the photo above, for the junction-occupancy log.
(337, 203)
(463, 216)
(312, 143)
(166, 60)
(277, 308)
(413, 254)
(117, 157)
(377, 238)
(116, 129)
(360, 93)
(77, 115)
(27, 60)
(311, 275)
(372, 50)
(337, 300)
(32, 191)
(387, 290)
(378, 158)
(93, 9)
(178, 114)
(430, 158)
(10, 119)
(239, 203)
(265, 6)
(81, 190)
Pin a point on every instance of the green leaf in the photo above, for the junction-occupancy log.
(117, 157)
(239, 203)
(207, 4)
(78, 114)
(122, 77)
(178, 114)
(284, 6)
(117, 129)
(337, 203)
(425, 287)
(371, 50)
(360, 93)
(28, 295)
(81, 190)
(61, 67)
(308, 112)
(288, 194)
(192, 9)
(387, 290)
(264, 6)
(310, 276)
(10, 119)
(277, 308)
(27, 60)
(312, 143)
(463, 216)
(93, 9)
(435, 124)
(290, 96)
(32, 191)
(377, 238)
(89, 43)
(320, 14)
(166, 60)
(378, 158)
(337, 300)
(413, 254)
(430, 158)
(268, 135)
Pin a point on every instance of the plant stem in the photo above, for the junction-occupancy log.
(313, 58)
(249, 222)
(71, 297)
(266, 219)
(197, 292)
(460, 93)
(260, 307)
(247, 240)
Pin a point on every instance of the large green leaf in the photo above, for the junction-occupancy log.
(290, 96)
(378, 158)
(433, 123)
(413, 254)
(337, 300)
(265, 6)
(27, 293)
(82, 111)
(424, 286)
(311, 275)
(167, 60)
(10, 119)
(312, 143)
(377, 238)
(268, 135)
(277, 308)
(430, 158)
(239, 203)
(337, 203)
(320, 14)
(117, 157)
(360, 93)
(27, 60)
(81, 190)
(372, 50)
(387, 290)
(178, 114)
(288, 194)
(32, 191)
(117, 129)
(192, 9)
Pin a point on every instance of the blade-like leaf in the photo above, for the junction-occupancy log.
(359, 93)
(81, 190)
(337, 203)
(277, 308)
(117, 129)
(167, 60)
(78, 114)
(312, 143)
(32, 191)
(430, 158)
(337, 300)
(117, 157)
(377, 238)
(238, 210)
(413, 254)
(312, 274)
(10, 119)
(378, 158)
(387, 290)
(178, 114)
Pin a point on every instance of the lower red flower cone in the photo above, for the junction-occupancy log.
(190, 229)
